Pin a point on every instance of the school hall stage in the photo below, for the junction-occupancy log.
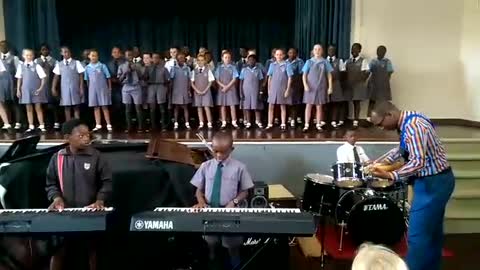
(365, 133)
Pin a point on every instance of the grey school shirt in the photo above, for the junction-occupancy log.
(86, 176)
(235, 179)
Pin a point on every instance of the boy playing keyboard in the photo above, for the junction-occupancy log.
(222, 182)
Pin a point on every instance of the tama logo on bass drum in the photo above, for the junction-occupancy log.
(375, 207)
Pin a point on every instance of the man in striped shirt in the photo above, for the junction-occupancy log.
(427, 168)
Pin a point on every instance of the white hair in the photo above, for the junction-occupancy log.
(376, 257)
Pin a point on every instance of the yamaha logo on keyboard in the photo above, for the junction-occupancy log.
(154, 225)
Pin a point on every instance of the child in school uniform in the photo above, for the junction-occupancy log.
(279, 88)
(71, 83)
(297, 85)
(47, 62)
(202, 79)
(137, 55)
(356, 86)
(226, 76)
(209, 60)
(77, 176)
(7, 91)
(317, 82)
(381, 70)
(251, 78)
(158, 81)
(30, 90)
(130, 75)
(242, 62)
(181, 95)
(222, 182)
(85, 57)
(350, 152)
(337, 98)
(116, 60)
(172, 61)
(99, 90)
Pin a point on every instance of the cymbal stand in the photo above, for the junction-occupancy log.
(342, 232)
(323, 232)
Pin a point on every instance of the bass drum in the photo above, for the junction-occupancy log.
(370, 217)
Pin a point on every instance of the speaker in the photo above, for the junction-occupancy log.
(258, 197)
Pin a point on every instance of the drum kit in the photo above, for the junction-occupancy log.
(367, 208)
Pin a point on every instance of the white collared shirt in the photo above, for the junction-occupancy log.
(365, 66)
(137, 60)
(211, 78)
(341, 63)
(16, 60)
(345, 153)
(38, 69)
(80, 68)
(2, 67)
(170, 64)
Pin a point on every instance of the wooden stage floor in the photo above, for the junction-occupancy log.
(372, 134)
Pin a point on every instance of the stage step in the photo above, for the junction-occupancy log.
(464, 161)
(462, 216)
(467, 190)
(462, 146)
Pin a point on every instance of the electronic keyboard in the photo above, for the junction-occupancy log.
(245, 221)
(46, 221)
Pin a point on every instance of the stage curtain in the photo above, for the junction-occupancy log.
(157, 25)
(325, 22)
(28, 23)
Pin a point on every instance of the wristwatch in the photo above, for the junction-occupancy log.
(235, 202)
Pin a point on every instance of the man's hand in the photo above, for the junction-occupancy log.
(230, 205)
(57, 204)
(381, 173)
(97, 205)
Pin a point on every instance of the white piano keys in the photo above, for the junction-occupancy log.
(229, 210)
(42, 210)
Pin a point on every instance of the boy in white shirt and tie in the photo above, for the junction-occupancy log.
(349, 152)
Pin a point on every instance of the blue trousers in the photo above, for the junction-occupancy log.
(425, 233)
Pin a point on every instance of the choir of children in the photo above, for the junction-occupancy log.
(155, 80)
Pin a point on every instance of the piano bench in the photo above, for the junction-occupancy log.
(309, 246)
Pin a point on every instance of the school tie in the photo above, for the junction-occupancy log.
(331, 60)
(130, 77)
(217, 187)
(153, 75)
(4, 57)
(115, 66)
(28, 65)
(355, 155)
(66, 63)
(201, 70)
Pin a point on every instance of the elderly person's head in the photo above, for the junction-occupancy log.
(376, 257)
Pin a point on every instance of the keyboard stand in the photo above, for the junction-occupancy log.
(242, 266)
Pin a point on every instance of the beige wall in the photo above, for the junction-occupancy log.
(470, 56)
(424, 40)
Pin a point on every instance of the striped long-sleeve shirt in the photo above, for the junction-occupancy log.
(427, 155)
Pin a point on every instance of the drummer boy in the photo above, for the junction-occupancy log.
(349, 152)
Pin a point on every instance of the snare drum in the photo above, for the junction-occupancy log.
(320, 195)
(370, 217)
(348, 175)
(379, 183)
